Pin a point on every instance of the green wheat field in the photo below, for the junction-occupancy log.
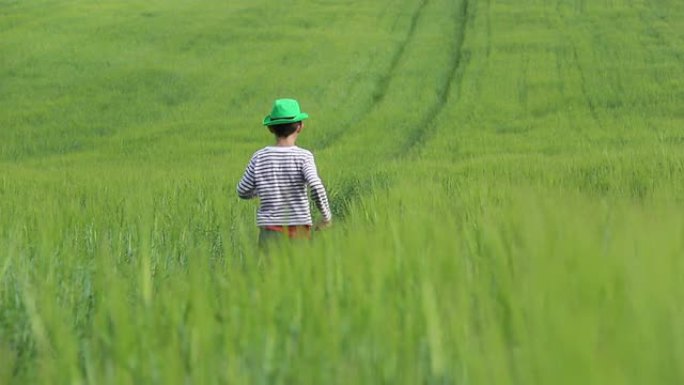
(506, 178)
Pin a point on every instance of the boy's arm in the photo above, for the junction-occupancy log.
(320, 197)
(246, 188)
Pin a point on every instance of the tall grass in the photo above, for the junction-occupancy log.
(506, 181)
(506, 287)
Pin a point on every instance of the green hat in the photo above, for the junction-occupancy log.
(285, 111)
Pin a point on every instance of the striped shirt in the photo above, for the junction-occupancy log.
(279, 177)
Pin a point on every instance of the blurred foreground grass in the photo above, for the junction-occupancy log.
(506, 181)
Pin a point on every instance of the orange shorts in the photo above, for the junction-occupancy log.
(293, 232)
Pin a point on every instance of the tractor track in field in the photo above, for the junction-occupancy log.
(591, 105)
(353, 188)
(583, 86)
(382, 84)
(424, 130)
(351, 191)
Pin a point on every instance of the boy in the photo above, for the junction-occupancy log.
(279, 175)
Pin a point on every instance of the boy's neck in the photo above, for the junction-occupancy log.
(286, 142)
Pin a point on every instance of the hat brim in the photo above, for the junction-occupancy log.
(297, 118)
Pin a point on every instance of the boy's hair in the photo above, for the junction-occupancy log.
(284, 130)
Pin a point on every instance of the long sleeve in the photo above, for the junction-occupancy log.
(246, 188)
(318, 192)
(285, 180)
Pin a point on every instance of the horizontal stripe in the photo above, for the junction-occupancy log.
(279, 176)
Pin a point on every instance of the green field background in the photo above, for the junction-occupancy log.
(506, 178)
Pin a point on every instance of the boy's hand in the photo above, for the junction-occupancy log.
(322, 225)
